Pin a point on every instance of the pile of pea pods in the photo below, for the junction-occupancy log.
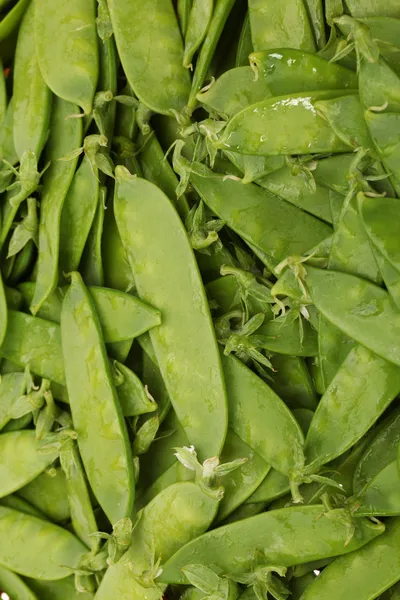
(199, 299)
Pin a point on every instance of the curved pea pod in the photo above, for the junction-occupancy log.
(286, 25)
(362, 389)
(7, 148)
(379, 86)
(131, 393)
(54, 554)
(32, 97)
(14, 586)
(21, 505)
(48, 493)
(385, 132)
(381, 496)
(174, 517)
(12, 387)
(198, 23)
(287, 70)
(174, 284)
(245, 44)
(65, 136)
(373, 8)
(61, 589)
(259, 218)
(78, 212)
(154, 69)
(369, 571)
(74, 45)
(89, 383)
(345, 116)
(279, 534)
(12, 19)
(287, 124)
(20, 460)
(233, 91)
(379, 216)
(359, 308)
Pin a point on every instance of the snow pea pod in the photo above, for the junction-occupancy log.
(174, 283)
(174, 517)
(390, 276)
(48, 493)
(65, 136)
(379, 86)
(54, 553)
(317, 20)
(74, 45)
(154, 69)
(21, 505)
(14, 586)
(286, 71)
(92, 261)
(12, 19)
(61, 589)
(245, 44)
(287, 124)
(12, 386)
(373, 8)
(362, 389)
(78, 211)
(279, 534)
(254, 167)
(369, 571)
(381, 496)
(345, 117)
(233, 91)
(3, 94)
(385, 132)
(220, 15)
(183, 9)
(7, 149)
(131, 393)
(258, 217)
(359, 308)
(81, 339)
(20, 460)
(286, 25)
(379, 216)
(3, 311)
(199, 20)
(32, 97)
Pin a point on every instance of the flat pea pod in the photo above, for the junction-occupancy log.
(178, 514)
(65, 136)
(287, 124)
(292, 382)
(274, 486)
(92, 260)
(360, 309)
(279, 534)
(134, 398)
(20, 460)
(379, 86)
(12, 19)
(386, 29)
(75, 44)
(345, 116)
(373, 8)
(259, 218)
(198, 23)
(379, 216)
(78, 212)
(317, 19)
(7, 148)
(154, 69)
(14, 586)
(183, 9)
(390, 276)
(286, 25)
(286, 71)
(32, 97)
(55, 552)
(381, 497)
(221, 13)
(114, 253)
(255, 167)
(233, 91)
(82, 345)
(12, 386)
(48, 493)
(245, 44)
(333, 347)
(369, 571)
(174, 284)
(362, 389)
(385, 131)
(61, 589)
(21, 505)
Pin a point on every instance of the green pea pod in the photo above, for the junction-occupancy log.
(245, 44)
(3, 94)
(14, 586)
(74, 45)
(132, 395)
(198, 23)
(333, 347)
(7, 149)
(174, 517)
(283, 125)
(183, 8)
(259, 218)
(385, 131)
(23, 263)
(381, 497)
(114, 253)
(65, 136)
(12, 19)
(157, 169)
(369, 571)
(379, 86)
(287, 71)
(345, 117)
(317, 20)
(373, 8)
(292, 382)
(366, 385)
(108, 82)
(48, 493)
(217, 24)
(3, 312)
(174, 283)
(274, 486)
(233, 91)
(255, 167)
(279, 534)
(21, 461)
(12, 386)
(55, 552)
(379, 217)
(390, 276)
(359, 308)
(286, 25)
(92, 260)
(61, 589)
(78, 212)
(82, 345)
(166, 85)
(32, 97)
(21, 505)
(386, 31)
